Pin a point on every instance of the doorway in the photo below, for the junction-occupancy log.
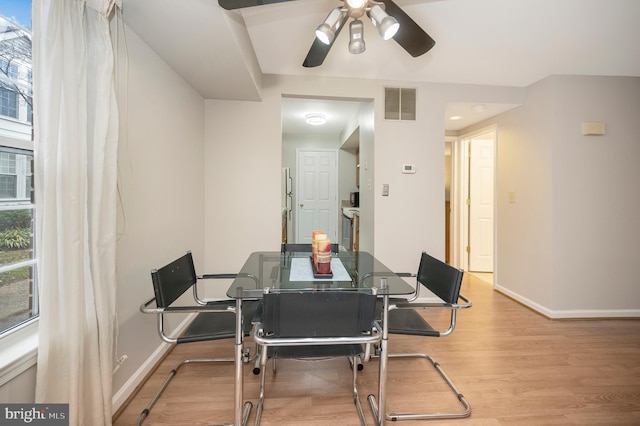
(472, 201)
(343, 129)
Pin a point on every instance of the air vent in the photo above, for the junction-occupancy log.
(399, 103)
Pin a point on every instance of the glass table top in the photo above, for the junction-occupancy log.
(292, 272)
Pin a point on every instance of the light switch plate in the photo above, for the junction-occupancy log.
(593, 128)
(385, 190)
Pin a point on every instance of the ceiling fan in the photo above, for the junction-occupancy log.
(387, 17)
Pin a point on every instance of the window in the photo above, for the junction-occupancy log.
(18, 291)
(8, 178)
(15, 70)
(8, 103)
(15, 176)
(8, 98)
(29, 99)
(18, 286)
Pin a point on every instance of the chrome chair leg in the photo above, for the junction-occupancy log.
(145, 413)
(356, 396)
(245, 412)
(466, 408)
(263, 364)
(374, 408)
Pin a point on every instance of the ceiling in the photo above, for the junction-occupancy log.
(488, 42)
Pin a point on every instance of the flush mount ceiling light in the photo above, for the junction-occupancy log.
(315, 119)
(477, 108)
(455, 117)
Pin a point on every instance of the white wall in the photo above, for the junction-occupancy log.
(567, 246)
(524, 228)
(596, 199)
(242, 180)
(161, 184)
(21, 389)
(367, 169)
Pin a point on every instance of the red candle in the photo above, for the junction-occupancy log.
(324, 267)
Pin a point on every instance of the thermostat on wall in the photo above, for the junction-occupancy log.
(408, 168)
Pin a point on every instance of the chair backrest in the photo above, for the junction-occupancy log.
(318, 313)
(305, 248)
(172, 280)
(440, 278)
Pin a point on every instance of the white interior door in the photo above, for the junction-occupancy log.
(481, 166)
(317, 203)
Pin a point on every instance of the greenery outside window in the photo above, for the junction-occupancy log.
(18, 287)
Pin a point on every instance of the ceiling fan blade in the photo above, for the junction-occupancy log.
(410, 36)
(239, 4)
(319, 50)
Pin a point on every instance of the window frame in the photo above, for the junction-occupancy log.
(19, 343)
(22, 203)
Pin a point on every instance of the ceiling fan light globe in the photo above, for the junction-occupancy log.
(325, 34)
(357, 47)
(388, 27)
(356, 4)
(356, 37)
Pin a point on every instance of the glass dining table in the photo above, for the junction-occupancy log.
(292, 271)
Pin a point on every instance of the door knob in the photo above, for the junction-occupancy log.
(301, 205)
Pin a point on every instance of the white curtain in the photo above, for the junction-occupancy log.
(76, 128)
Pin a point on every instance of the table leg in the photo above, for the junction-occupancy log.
(382, 381)
(239, 380)
(378, 407)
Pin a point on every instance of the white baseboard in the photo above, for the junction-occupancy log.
(130, 386)
(570, 313)
(122, 395)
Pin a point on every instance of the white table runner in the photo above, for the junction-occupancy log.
(301, 270)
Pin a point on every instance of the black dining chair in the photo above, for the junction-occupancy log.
(214, 320)
(404, 318)
(316, 324)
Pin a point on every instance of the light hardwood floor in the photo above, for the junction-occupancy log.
(514, 367)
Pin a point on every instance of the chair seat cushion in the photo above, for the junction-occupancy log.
(220, 325)
(409, 321)
(210, 326)
(316, 351)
